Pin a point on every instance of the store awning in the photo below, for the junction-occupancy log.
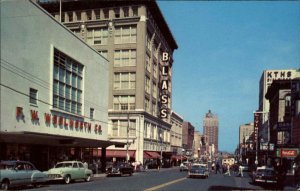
(151, 154)
(119, 153)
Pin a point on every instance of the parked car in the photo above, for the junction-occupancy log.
(265, 175)
(184, 166)
(120, 169)
(198, 170)
(19, 173)
(70, 170)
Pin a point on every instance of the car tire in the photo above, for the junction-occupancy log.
(88, 178)
(4, 185)
(67, 179)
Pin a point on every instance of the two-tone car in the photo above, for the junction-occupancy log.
(19, 173)
(198, 171)
(68, 171)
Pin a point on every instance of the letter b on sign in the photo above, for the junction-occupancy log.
(165, 56)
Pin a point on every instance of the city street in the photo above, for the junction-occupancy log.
(165, 179)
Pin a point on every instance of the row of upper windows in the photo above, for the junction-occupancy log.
(98, 14)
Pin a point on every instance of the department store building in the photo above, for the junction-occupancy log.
(53, 96)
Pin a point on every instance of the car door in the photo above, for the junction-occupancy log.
(81, 170)
(20, 174)
(75, 171)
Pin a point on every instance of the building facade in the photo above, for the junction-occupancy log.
(245, 132)
(266, 79)
(176, 133)
(211, 130)
(53, 96)
(279, 95)
(188, 138)
(135, 38)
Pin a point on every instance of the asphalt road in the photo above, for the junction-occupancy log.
(164, 180)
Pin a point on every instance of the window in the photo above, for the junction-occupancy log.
(97, 36)
(125, 34)
(33, 96)
(155, 69)
(70, 16)
(117, 12)
(97, 14)
(147, 105)
(125, 80)
(67, 83)
(62, 17)
(119, 128)
(148, 63)
(106, 13)
(148, 41)
(92, 111)
(78, 16)
(126, 11)
(154, 90)
(147, 84)
(135, 11)
(125, 58)
(103, 53)
(89, 15)
(122, 102)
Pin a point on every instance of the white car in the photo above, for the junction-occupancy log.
(19, 173)
(198, 170)
(68, 171)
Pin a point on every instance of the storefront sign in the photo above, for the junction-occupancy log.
(164, 86)
(278, 75)
(61, 121)
(287, 153)
(257, 117)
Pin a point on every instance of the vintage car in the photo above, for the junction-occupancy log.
(68, 171)
(184, 166)
(119, 169)
(19, 173)
(265, 175)
(198, 171)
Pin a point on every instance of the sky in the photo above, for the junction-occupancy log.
(223, 48)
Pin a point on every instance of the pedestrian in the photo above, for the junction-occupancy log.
(227, 166)
(218, 168)
(158, 164)
(241, 171)
(85, 164)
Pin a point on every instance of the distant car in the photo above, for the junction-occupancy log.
(19, 173)
(198, 170)
(120, 169)
(265, 175)
(68, 171)
(184, 166)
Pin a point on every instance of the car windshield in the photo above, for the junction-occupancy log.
(198, 167)
(63, 165)
(265, 172)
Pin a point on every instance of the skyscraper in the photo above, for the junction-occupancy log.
(211, 130)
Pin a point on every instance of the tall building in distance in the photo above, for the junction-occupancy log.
(137, 42)
(211, 130)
